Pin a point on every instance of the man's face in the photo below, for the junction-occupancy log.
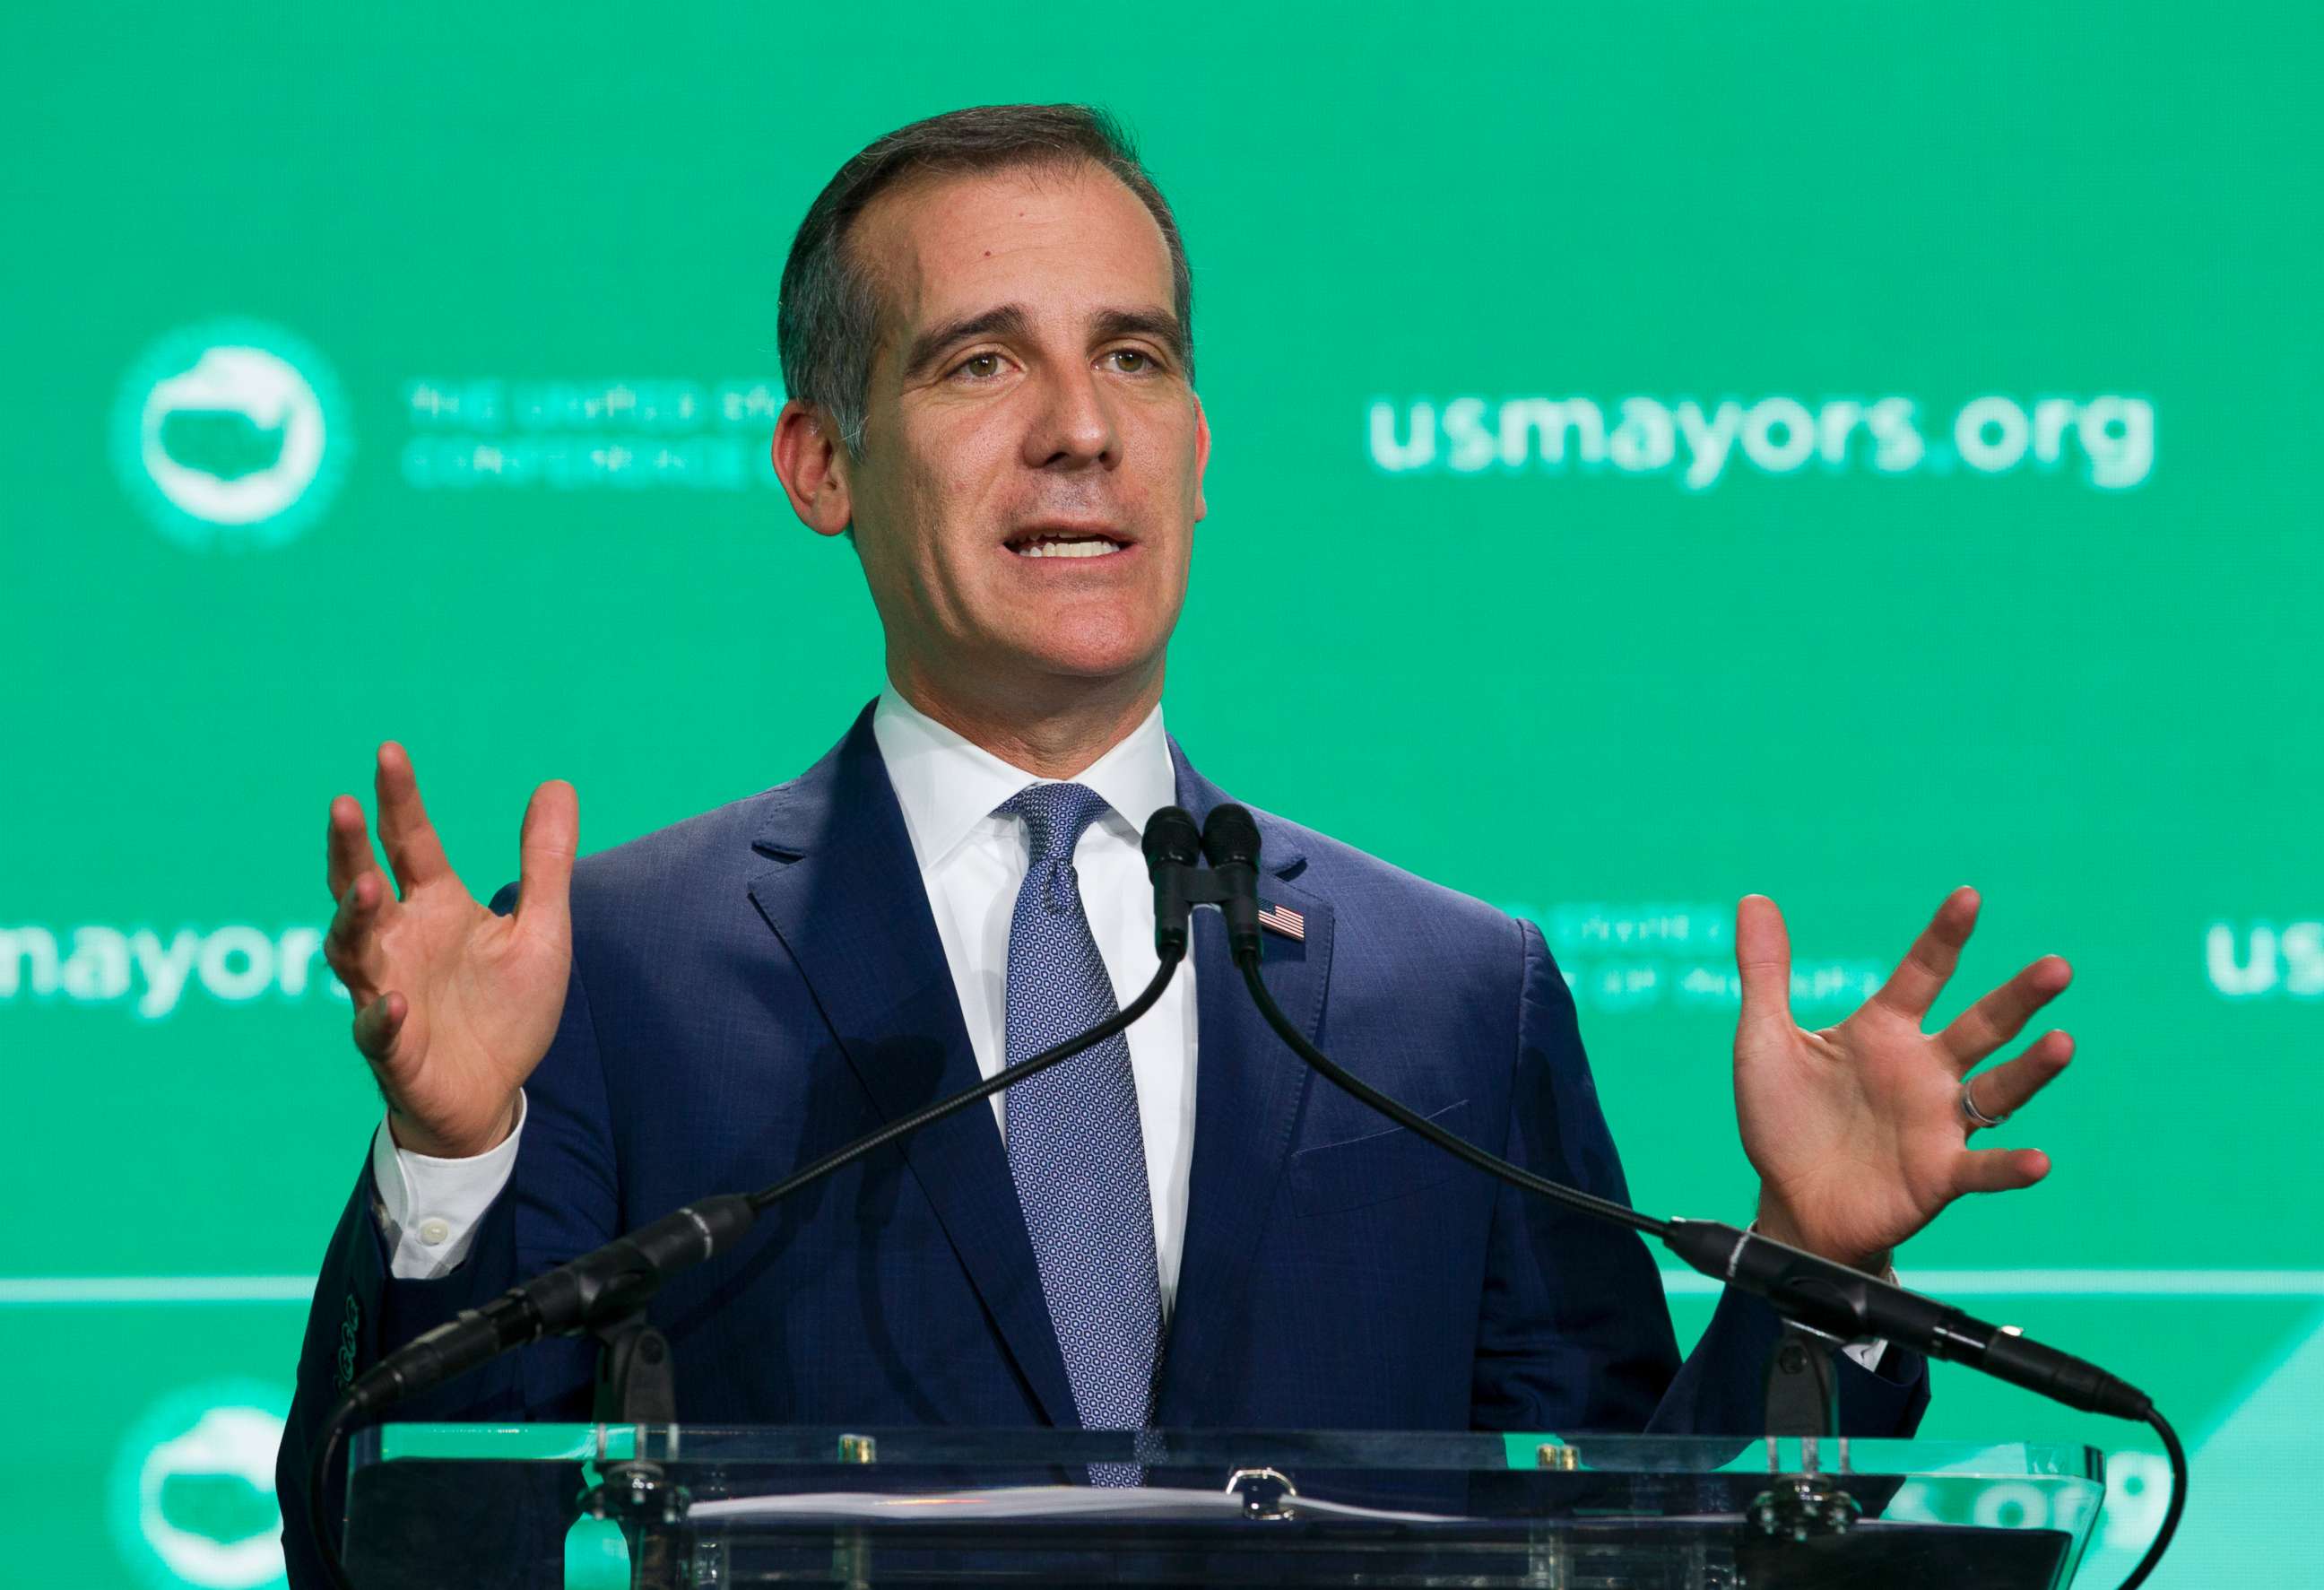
(1033, 454)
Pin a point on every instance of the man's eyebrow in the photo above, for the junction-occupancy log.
(1008, 320)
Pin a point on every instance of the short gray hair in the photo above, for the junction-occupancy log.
(828, 320)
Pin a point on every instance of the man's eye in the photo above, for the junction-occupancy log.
(974, 359)
(1145, 359)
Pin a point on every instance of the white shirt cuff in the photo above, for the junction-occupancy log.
(428, 1208)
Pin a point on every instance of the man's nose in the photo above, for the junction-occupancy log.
(1076, 424)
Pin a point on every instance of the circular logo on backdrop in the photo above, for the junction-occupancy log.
(192, 1493)
(230, 434)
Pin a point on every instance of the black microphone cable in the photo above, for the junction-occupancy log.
(1831, 1297)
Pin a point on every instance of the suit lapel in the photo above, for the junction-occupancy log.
(836, 879)
(1248, 1093)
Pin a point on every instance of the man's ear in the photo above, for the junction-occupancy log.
(813, 467)
(1202, 456)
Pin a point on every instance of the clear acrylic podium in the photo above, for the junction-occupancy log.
(620, 1505)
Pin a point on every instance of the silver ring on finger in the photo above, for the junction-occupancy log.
(1975, 1116)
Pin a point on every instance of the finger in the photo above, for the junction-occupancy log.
(545, 847)
(1913, 986)
(377, 1025)
(349, 945)
(2000, 1170)
(409, 838)
(347, 846)
(1763, 958)
(2001, 1014)
(2011, 1086)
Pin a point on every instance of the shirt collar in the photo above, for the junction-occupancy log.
(946, 784)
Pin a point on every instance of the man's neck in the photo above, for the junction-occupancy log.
(1053, 731)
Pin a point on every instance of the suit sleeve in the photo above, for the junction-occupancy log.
(561, 1200)
(1574, 1334)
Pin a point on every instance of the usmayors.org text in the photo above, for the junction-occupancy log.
(2105, 441)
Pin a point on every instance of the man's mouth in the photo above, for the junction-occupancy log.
(1065, 543)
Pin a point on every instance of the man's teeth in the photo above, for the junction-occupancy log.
(1060, 546)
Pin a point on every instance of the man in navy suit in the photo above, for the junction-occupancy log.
(986, 331)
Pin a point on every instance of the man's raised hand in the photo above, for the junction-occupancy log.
(1856, 1131)
(454, 1006)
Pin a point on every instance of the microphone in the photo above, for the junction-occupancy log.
(620, 1277)
(1231, 840)
(1804, 1288)
(1831, 1297)
(1173, 848)
(615, 1281)
(603, 1285)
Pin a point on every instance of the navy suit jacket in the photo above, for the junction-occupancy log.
(763, 982)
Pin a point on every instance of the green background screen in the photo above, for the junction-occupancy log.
(1838, 451)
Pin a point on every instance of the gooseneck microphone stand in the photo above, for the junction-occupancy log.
(604, 1293)
(1827, 1299)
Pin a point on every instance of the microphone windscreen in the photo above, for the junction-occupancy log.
(1171, 836)
(1231, 834)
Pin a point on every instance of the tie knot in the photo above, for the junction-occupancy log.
(1054, 817)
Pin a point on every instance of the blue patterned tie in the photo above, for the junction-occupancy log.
(1075, 1150)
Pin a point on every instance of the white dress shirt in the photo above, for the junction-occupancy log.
(971, 863)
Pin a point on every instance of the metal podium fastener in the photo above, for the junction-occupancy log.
(858, 1450)
(1557, 1456)
(636, 1493)
(1264, 1492)
(1801, 1507)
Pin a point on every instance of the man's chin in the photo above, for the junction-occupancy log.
(1091, 667)
(1061, 659)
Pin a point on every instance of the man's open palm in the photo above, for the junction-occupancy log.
(1856, 1131)
(454, 1006)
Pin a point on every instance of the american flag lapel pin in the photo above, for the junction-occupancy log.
(1283, 920)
